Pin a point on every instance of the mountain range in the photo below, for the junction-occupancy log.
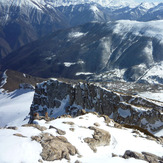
(24, 21)
(95, 51)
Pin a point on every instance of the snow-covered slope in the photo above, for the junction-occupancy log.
(106, 3)
(14, 107)
(24, 144)
(153, 29)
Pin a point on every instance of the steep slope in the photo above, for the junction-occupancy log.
(24, 21)
(123, 50)
(11, 80)
(59, 98)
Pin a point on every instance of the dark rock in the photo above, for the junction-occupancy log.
(59, 131)
(12, 128)
(149, 157)
(136, 155)
(120, 107)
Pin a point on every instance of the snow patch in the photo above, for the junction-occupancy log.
(68, 64)
(148, 29)
(83, 73)
(76, 34)
(4, 79)
(94, 9)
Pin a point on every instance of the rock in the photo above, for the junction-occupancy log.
(55, 148)
(41, 128)
(36, 116)
(40, 161)
(149, 157)
(132, 154)
(72, 129)
(89, 96)
(100, 138)
(69, 123)
(96, 124)
(114, 155)
(19, 135)
(60, 132)
(12, 128)
(77, 161)
(152, 158)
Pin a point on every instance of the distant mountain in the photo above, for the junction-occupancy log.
(122, 50)
(24, 21)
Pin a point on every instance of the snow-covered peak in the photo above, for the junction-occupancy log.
(25, 3)
(94, 8)
(147, 5)
(149, 29)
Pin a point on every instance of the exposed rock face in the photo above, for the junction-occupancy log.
(55, 148)
(149, 157)
(100, 138)
(58, 98)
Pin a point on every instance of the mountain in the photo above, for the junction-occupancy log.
(24, 21)
(11, 80)
(122, 50)
(78, 135)
(155, 13)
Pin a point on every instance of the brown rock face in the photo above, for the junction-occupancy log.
(55, 148)
(143, 156)
(100, 138)
(58, 98)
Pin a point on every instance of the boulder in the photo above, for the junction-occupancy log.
(55, 147)
(100, 138)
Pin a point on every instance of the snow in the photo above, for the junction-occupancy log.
(68, 64)
(76, 34)
(147, 5)
(83, 73)
(105, 3)
(149, 29)
(14, 107)
(38, 4)
(24, 150)
(152, 77)
(4, 79)
(153, 96)
(94, 9)
(15, 149)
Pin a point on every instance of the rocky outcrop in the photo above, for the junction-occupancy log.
(55, 148)
(100, 138)
(149, 157)
(59, 98)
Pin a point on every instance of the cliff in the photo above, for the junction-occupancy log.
(60, 97)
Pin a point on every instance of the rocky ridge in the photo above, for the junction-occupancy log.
(11, 80)
(59, 98)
